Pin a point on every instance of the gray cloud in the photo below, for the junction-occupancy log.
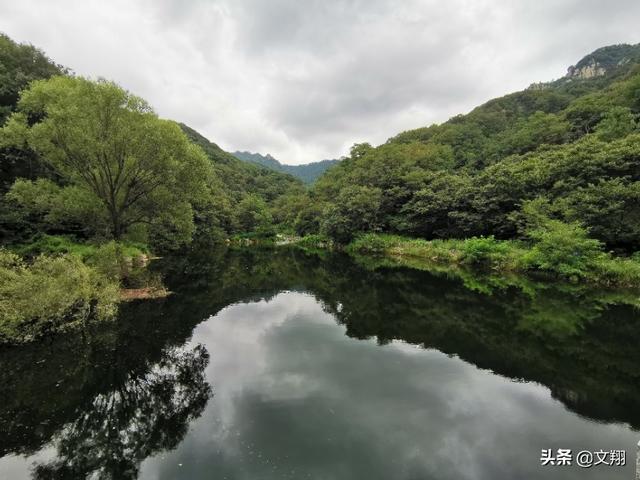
(304, 80)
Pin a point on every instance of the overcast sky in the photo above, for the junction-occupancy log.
(305, 79)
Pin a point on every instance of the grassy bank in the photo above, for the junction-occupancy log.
(552, 254)
(55, 283)
(559, 256)
(58, 244)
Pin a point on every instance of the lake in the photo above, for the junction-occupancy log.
(278, 364)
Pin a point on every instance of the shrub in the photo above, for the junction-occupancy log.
(110, 261)
(113, 259)
(314, 242)
(370, 243)
(123, 263)
(483, 250)
(50, 294)
(54, 245)
(617, 271)
(563, 248)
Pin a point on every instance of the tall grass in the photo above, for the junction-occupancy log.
(58, 244)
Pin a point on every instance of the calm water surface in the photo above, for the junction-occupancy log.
(276, 365)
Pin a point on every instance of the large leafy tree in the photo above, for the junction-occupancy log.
(138, 169)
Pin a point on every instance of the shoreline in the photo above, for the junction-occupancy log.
(482, 256)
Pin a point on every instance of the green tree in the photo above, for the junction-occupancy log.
(611, 208)
(585, 113)
(355, 210)
(536, 130)
(109, 143)
(20, 64)
(440, 209)
(618, 122)
(52, 207)
(253, 215)
(308, 219)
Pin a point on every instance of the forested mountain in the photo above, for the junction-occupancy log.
(265, 160)
(567, 151)
(544, 180)
(240, 177)
(308, 172)
(237, 199)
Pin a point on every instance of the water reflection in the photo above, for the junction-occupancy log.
(103, 402)
(297, 398)
(291, 386)
(117, 430)
(579, 342)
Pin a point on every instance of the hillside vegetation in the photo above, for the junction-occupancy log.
(91, 182)
(558, 159)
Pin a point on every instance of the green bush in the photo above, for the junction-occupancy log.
(116, 260)
(54, 245)
(50, 294)
(483, 250)
(314, 242)
(617, 271)
(558, 248)
(123, 263)
(109, 260)
(370, 243)
(564, 249)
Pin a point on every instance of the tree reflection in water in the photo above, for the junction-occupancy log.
(146, 414)
(131, 388)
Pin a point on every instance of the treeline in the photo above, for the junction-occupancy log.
(563, 155)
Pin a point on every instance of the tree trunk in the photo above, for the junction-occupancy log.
(116, 225)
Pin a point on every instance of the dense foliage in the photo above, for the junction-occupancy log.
(89, 176)
(90, 159)
(19, 65)
(119, 167)
(572, 147)
(49, 294)
(544, 179)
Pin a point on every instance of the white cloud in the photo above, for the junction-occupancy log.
(303, 80)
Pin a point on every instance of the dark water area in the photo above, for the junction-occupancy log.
(270, 364)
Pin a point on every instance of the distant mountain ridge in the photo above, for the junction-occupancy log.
(308, 172)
